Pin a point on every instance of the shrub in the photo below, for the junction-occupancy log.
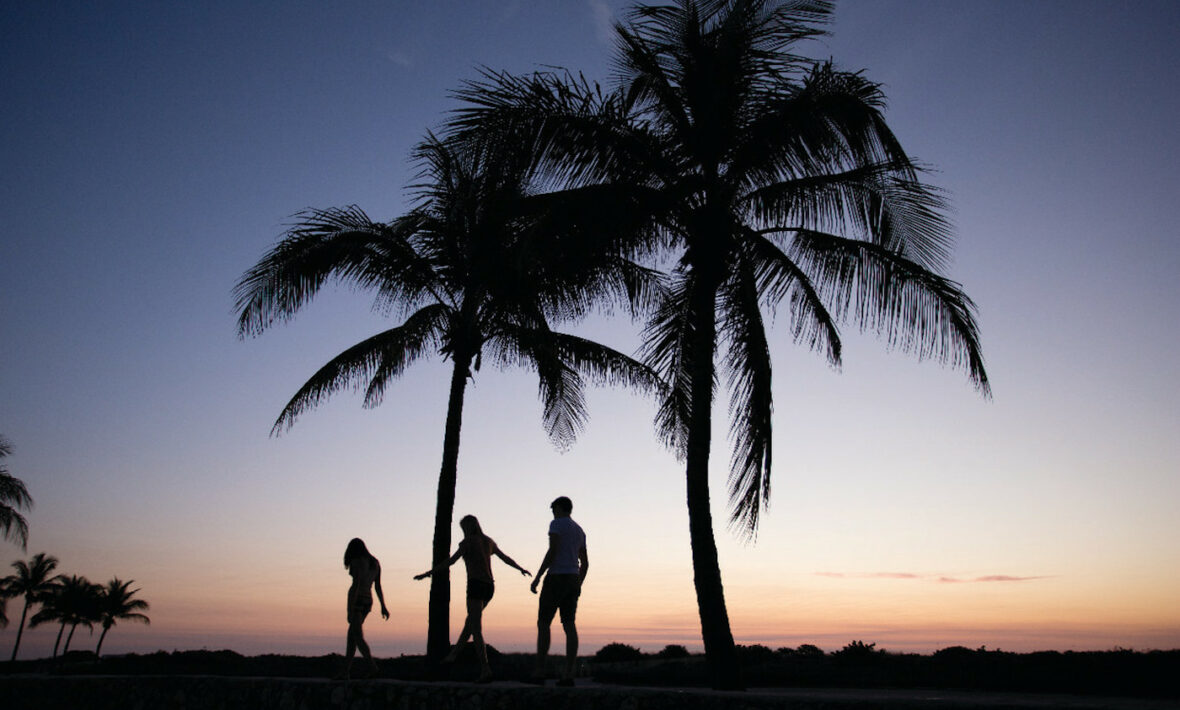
(754, 654)
(673, 650)
(808, 650)
(616, 652)
(859, 650)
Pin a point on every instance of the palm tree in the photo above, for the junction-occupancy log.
(483, 264)
(13, 497)
(118, 602)
(34, 581)
(772, 179)
(75, 602)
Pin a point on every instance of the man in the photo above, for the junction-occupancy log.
(567, 563)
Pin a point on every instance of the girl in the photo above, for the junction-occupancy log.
(366, 573)
(476, 549)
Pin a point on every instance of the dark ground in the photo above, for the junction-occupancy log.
(1120, 673)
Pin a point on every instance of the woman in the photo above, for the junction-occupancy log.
(476, 549)
(366, 574)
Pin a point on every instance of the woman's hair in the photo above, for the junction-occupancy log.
(472, 531)
(356, 548)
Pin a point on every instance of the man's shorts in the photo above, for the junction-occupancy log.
(481, 590)
(559, 591)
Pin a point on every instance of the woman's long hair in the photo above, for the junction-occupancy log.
(356, 548)
(472, 531)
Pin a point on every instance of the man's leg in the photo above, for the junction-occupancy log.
(571, 647)
(546, 608)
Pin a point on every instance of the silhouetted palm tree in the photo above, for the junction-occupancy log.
(13, 497)
(76, 602)
(482, 265)
(118, 602)
(34, 580)
(773, 178)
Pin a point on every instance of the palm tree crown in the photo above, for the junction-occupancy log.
(118, 602)
(13, 497)
(34, 580)
(75, 601)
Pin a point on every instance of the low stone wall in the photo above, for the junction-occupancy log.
(225, 693)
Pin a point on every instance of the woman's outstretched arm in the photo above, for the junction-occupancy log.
(454, 558)
(511, 562)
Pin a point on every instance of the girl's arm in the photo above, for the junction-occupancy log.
(454, 558)
(380, 594)
(511, 562)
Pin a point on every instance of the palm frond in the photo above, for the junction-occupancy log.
(372, 363)
(339, 243)
(666, 350)
(910, 307)
(747, 366)
(777, 278)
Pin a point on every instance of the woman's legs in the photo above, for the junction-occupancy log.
(356, 640)
(474, 625)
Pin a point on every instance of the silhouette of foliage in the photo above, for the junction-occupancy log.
(34, 582)
(14, 497)
(617, 652)
(673, 651)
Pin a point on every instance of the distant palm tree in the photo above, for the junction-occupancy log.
(118, 602)
(13, 497)
(34, 580)
(772, 178)
(76, 602)
(483, 265)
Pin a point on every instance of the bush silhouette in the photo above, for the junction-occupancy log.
(616, 652)
(673, 650)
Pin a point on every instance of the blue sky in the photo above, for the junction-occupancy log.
(153, 152)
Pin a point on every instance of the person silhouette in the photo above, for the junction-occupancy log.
(567, 563)
(476, 549)
(366, 576)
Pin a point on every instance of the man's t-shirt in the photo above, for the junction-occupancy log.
(570, 541)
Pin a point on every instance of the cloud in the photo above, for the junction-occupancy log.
(941, 579)
(603, 20)
(399, 58)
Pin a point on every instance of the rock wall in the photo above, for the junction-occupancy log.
(28, 692)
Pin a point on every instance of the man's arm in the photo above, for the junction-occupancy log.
(583, 564)
(554, 541)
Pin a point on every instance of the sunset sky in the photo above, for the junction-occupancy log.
(152, 152)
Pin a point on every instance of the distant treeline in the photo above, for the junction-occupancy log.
(1119, 672)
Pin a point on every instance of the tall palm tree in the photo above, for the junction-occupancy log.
(772, 178)
(13, 497)
(34, 580)
(119, 602)
(482, 265)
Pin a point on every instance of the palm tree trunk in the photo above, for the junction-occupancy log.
(57, 643)
(20, 630)
(720, 653)
(103, 635)
(438, 630)
(69, 638)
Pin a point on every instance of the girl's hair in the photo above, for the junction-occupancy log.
(356, 548)
(472, 530)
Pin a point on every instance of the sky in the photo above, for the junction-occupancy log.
(153, 152)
